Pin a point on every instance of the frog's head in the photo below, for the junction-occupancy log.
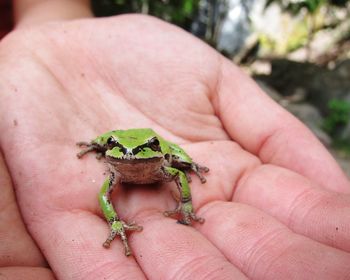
(130, 146)
(123, 151)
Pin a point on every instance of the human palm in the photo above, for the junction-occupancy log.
(276, 204)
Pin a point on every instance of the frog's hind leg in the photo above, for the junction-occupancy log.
(117, 226)
(184, 208)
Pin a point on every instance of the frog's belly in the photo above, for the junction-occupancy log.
(141, 172)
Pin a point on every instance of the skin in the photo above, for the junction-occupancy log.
(141, 156)
(276, 204)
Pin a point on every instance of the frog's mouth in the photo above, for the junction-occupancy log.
(132, 159)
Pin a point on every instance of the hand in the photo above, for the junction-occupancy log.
(19, 256)
(276, 205)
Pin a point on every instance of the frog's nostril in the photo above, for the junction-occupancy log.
(128, 154)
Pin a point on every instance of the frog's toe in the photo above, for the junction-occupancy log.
(170, 213)
(85, 151)
(194, 217)
(133, 226)
(188, 176)
(188, 217)
(119, 228)
(203, 168)
(203, 180)
(110, 238)
(82, 143)
(187, 214)
(198, 169)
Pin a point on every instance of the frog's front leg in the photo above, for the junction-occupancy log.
(198, 169)
(90, 147)
(117, 226)
(184, 208)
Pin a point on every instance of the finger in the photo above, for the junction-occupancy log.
(169, 250)
(60, 219)
(14, 238)
(72, 243)
(267, 130)
(26, 273)
(28, 13)
(298, 203)
(164, 249)
(265, 249)
(227, 163)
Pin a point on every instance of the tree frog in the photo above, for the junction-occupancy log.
(141, 156)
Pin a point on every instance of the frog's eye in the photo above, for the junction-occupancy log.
(111, 142)
(154, 144)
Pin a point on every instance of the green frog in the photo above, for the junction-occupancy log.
(141, 156)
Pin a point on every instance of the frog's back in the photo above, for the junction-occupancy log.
(130, 135)
(135, 132)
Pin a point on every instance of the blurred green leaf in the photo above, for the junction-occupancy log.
(296, 6)
(179, 12)
(338, 116)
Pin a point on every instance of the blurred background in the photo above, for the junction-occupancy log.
(297, 50)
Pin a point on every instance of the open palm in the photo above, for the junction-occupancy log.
(276, 204)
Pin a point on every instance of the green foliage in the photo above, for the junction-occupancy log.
(339, 116)
(294, 39)
(342, 147)
(178, 12)
(314, 15)
(311, 6)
